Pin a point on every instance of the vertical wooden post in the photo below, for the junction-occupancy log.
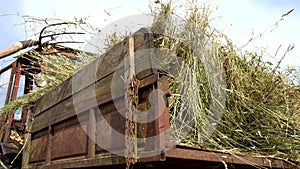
(49, 145)
(130, 125)
(92, 134)
(27, 142)
(163, 118)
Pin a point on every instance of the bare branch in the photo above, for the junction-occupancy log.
(17, 47)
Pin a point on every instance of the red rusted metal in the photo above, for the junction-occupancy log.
(15, 88)
(12, 91)
(210, 158)
(16, 82)
(10, 84)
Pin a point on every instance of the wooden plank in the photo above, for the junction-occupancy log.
(83, 162)
(144, 52)
(69, 142)
(49, 145)
(70, 122)
(92, 134)
(108, 65)
(104, 65)
(163, 116)
(65, 109)
(105, 134)
(27, 142)
(100, 90)
(38, 149)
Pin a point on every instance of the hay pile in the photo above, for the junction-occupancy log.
(259, 104)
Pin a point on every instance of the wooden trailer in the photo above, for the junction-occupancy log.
(67, 128)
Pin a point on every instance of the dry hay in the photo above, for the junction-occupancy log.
(260, 115)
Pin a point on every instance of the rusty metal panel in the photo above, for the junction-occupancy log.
(209, 158)
(69, 142)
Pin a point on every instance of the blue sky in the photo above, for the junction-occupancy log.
(241, 18)
(236, 18)
(9, 32)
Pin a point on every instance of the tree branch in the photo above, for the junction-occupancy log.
(17, 47)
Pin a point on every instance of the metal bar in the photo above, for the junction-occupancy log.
(11, 79)
(9, 93)
(17, 76)
(15, 90)
(17, 81)
(200, 156)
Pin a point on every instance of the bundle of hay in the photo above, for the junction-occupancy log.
(246, 106)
